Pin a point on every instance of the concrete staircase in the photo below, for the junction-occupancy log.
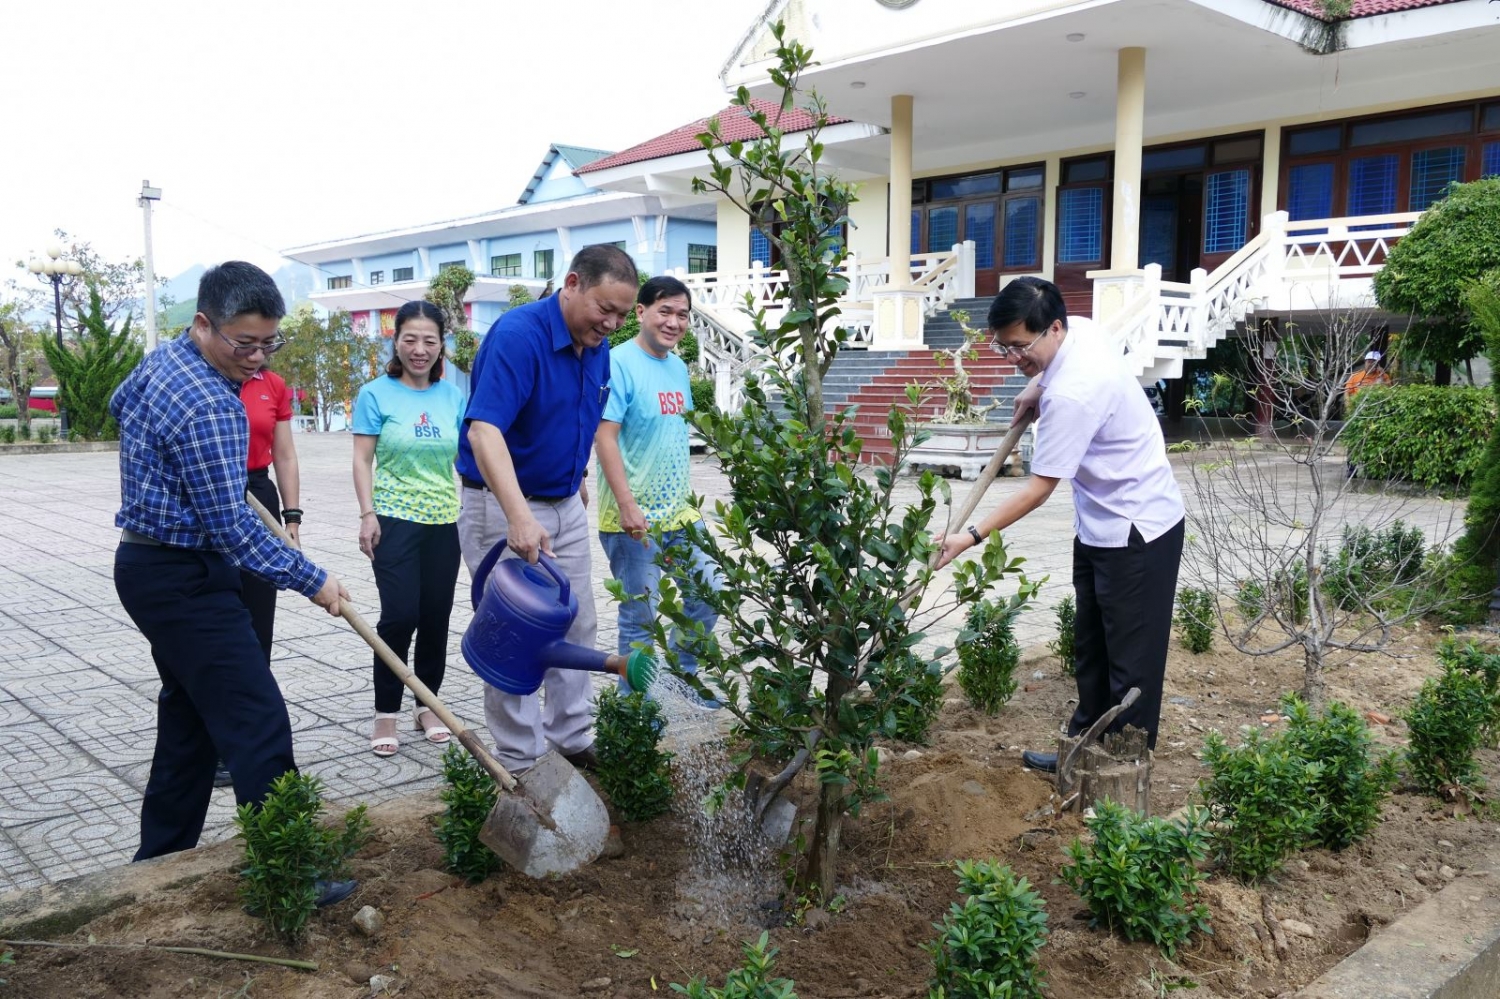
(874, 380)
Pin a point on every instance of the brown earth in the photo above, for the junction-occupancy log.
(965, 796)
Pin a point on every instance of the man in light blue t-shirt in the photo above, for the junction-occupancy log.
(642, 444)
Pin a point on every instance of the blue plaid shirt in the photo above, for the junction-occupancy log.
(183, 442)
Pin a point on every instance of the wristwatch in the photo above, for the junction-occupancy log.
(975, 532)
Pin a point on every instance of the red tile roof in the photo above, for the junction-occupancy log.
(734, 124)
(1361, 8)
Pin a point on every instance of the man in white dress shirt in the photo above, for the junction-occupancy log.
(1097, 429)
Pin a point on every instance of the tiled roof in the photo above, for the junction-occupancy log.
(1361, 8)
(734, 124)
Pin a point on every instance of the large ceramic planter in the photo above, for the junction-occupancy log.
(964, 448)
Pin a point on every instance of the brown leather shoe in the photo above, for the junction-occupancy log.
(584, 759)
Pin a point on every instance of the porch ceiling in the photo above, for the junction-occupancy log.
(1004, 93)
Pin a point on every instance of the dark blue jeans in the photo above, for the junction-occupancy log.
(218, 698)
(633, 563)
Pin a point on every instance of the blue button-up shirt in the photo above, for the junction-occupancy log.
(543, 396)
(183, 442)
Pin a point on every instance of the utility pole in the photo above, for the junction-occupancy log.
(148, 195)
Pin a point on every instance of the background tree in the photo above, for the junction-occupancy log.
(1453, 244)
(326, 359)
(21, 360)
(818, 561)
(1477, 553)
(89, 370)
(1320, 561)
(446, 290)
(121, 284)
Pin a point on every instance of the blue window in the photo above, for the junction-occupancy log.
(1372, 184)
(979, 226)
(760, 247)
(1023, 223)
(1432, 170)
(1310, 191)
(1491, 166)
(1080, 229)
(1227, 211)
(916, 230)
(942, 229)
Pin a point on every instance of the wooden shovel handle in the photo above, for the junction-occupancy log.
(461, 732)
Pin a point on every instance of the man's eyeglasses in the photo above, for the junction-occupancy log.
(1008, 350)
(246, 349)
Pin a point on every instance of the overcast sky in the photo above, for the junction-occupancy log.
(269, 124)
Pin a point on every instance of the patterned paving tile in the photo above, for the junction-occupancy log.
(66, 846)
(57, 686)
(78, 622)
(55, 781)
(16, 871)
(107, 708)
(23, 645)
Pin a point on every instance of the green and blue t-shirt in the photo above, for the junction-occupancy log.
(650, 397)
(418, 431)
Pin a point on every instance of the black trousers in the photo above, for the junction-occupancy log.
(1124, 623)
(218, 698)
(259, 594)
(416, 569)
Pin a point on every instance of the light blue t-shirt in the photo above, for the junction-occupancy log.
(649, 397)
(418, 431)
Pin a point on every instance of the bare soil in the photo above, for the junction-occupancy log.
(965, 796)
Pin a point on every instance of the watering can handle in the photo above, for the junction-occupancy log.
(476, 588)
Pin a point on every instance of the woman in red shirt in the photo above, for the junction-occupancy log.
(268, 404)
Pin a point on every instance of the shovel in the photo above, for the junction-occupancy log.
(548, 822)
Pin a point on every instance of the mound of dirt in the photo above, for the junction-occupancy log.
(628, 927)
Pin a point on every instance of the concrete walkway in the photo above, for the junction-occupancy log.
(77, 686)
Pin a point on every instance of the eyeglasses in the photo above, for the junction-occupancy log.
(246, 349)
(1007, 350)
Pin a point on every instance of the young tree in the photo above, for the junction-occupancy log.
(89, 370)
(446, 290)
(1453, 244)
(21, 360)
(819, 564)
(1477, 553)
(1316, 563)
(326, 359)
(121, 283)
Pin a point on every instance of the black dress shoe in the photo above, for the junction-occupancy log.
(222, 777)
(1045, 762)
(333, 892)
(584, 759)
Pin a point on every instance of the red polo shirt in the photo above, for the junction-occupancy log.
(267, 402)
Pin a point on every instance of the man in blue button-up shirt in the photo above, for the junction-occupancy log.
(186, 534)
(539, 385)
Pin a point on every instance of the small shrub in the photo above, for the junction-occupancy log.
(634, 772)
(1260, 803)
(1249, 599)
(1062, 647)
(1448, 721)
(1355, 778)
(469, 793)
(7, 435)
(1483, 662)
(1430, 435)
(45, 435)
(751, 980)
(1195, 619)
(287, 850)
(1368, 563)
(1139, 876)
(987, 661)
(912, 690)
(987, 945)
(703, 394)
(1288, 593)
(24, 433)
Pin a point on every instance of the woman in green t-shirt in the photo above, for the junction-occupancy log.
(405, 440)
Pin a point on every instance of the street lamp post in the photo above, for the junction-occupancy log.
(62, 274)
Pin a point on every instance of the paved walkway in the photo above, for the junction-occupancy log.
(77, 687)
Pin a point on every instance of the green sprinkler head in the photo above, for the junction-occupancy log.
(640, 670)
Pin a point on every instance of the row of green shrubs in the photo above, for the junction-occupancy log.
(1429, 435)
(12, 434)
(10, 411)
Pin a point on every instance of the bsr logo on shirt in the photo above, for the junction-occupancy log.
(672, 403)
(426, 428)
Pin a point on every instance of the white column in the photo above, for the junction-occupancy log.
(900, 208)
(1130, 126)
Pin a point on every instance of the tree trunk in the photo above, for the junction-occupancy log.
(1313, 690)
(1442, 374)
(823, 851)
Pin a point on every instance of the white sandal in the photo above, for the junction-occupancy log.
(385, 745)
(437, 732)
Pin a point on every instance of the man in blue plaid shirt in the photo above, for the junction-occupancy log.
(187, 532)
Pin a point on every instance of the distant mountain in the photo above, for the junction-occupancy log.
(294, 280)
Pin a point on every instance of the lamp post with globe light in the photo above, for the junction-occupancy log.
(62, 274)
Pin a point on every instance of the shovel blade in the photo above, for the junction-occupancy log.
(552, 823)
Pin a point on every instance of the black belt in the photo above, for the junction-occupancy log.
(130, 537)
(260, 473)
(476, 484)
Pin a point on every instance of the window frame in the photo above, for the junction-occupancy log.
(340, 282)
(399, 274)
(377, 277)
(498, 269)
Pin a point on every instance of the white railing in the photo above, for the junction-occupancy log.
(1159, 323)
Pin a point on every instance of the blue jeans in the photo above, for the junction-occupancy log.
(633, 563)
